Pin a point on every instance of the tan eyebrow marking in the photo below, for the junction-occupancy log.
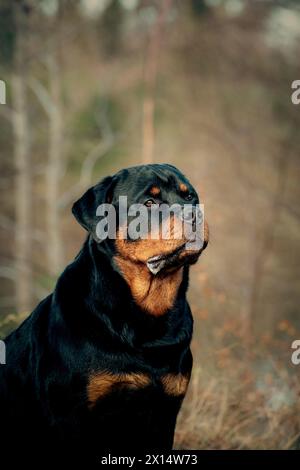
(183, 188)
(155, 191)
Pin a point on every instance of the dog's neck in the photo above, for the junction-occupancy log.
(155, 295)
(104, 296)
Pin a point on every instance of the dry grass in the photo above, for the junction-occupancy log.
(240, 408)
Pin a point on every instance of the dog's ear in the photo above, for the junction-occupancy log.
(84, 210)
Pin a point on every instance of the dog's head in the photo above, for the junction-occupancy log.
(147, 215)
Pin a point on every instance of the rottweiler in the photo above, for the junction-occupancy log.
(103, 363)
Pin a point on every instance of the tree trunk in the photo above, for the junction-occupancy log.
(23, 181)
(265, 242)
(54, 249)
(150, 74)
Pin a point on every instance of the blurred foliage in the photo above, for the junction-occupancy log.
(111, 24)
(7, 32)
(199, 7)
(87, 122)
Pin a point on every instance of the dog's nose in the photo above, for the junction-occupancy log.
(188, 215)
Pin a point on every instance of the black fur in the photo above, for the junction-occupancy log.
(91, 323)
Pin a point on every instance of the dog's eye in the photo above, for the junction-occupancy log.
(149, 202)
(188, 197)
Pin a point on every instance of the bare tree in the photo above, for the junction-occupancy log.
(150, 75)
(22, 158)
(53, 173)
(266, 238)
(49, 97)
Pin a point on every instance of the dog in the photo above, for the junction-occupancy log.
(103, 363)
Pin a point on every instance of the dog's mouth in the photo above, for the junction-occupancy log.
(186, 253)
(164, 261)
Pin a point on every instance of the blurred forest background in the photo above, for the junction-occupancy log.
(97, 85)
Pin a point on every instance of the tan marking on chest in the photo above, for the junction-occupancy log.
(175, 384)
(102, 383)
(155, 295)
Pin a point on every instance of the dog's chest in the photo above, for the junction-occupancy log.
(103, 384)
